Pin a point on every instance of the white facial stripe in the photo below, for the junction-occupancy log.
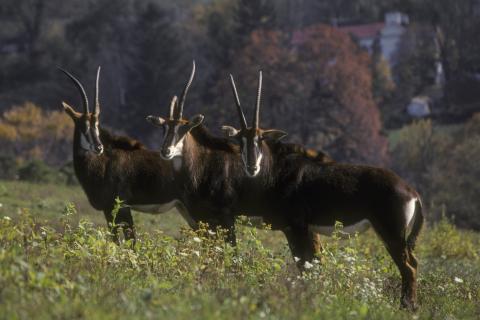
(259, 160)
(178, 148)
(175, 151)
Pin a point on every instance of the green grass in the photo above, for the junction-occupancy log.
(47, 202)
(57, 263)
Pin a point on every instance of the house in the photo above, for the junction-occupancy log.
(419, 107)
(388, 32)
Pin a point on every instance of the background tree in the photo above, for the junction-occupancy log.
(159, 69)
(30, 42)
(456, 25)
(26, 132)
(319, 90)
(414, 74)
(383, 84)
(251, 15)
(103, 35)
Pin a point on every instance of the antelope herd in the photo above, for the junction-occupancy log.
(298, 191)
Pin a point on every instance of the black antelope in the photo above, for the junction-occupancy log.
(316, 195)
(206, 167)
(109, 166)
(209, 170)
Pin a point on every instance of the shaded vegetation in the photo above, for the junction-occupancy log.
(440, 161)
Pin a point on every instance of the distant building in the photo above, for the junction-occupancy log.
(388, 32)
(419, 107)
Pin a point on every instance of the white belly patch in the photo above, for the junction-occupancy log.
(359, 227)
(166, 207)
(155, 208)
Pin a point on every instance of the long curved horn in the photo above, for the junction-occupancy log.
(243, 121)
(184, 93)
(256, 119)
(80, 88)
(96, 107)
(173, 104)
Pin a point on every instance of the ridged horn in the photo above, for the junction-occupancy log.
(184, 93)
(256, 118)
(80, 88)
(173, 104)
(243, 121)
(96, 107)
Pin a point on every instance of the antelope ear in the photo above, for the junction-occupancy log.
(273, 134)
(158, 121)
(70, 111)
(196, 120)
(230, 131)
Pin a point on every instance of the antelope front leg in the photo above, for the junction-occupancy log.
(316, 243)
(301, 245)
(229, 224)
(124, 218)
(113, 228)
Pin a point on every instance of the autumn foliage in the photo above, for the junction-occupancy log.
(27, 132)
(317, 86)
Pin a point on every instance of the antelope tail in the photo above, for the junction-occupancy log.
(417, 225)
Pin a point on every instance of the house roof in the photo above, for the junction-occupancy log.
(364, 30)
(361, 31)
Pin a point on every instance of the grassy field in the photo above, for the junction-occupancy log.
(56, 262)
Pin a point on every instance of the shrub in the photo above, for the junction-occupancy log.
(8, 167)
(68, 171)
(29, 132)
(441, 162)
(38, 171)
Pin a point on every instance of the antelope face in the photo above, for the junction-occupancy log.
(251, 138)
(175, 132)
(87, 126)
(250, 141)
(86, 123)
(176, 128)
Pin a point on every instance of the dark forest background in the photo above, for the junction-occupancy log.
(320, 85)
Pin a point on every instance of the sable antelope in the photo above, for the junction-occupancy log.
(317, 195)
(209, 171)
(206, 167)
(108, 166)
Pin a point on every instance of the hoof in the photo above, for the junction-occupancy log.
(408, 305)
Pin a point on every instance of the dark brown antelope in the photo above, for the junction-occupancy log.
(109, 166)
(316, 195)
(206, 167)
(209, 171)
